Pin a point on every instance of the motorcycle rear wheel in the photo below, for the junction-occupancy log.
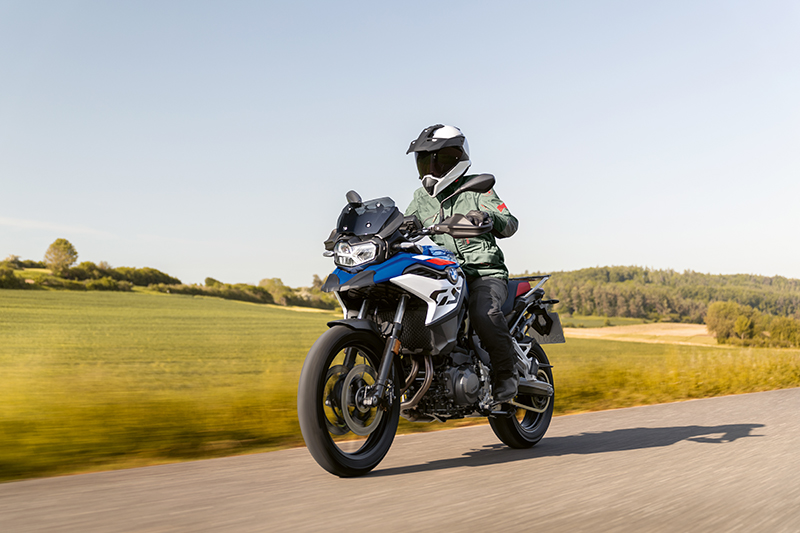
(344, 438)
(525, 428)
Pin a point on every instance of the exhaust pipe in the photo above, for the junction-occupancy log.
(535, 388)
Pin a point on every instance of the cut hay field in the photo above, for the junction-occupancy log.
(660, 332)
(98, 380)
(578, 321)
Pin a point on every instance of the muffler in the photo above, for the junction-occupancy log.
(535, 388)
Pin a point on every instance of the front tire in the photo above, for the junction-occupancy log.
(525, 428)
(344, 437)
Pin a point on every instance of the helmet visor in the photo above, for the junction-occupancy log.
(438, 163)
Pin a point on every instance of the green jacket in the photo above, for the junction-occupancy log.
(479, 256)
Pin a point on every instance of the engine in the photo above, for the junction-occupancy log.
(462, 385)
(455, 391)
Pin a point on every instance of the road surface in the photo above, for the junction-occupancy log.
(721, 464)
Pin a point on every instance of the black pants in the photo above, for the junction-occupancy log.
(486, 298)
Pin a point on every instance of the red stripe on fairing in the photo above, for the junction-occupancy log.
(501, 207)
(437, 261)
(523, 287)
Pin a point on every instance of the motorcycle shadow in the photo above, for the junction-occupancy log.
(585, 444)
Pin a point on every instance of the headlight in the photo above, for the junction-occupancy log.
(351, 255)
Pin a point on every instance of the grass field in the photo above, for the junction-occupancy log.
(96, 380)
(27, 271)
(90, 378)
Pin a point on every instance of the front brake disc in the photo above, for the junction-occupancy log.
(356, 414)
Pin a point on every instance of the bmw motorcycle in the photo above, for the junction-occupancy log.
(405, 346)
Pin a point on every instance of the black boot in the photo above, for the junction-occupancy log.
(505, 389)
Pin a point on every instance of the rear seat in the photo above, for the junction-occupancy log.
(516, 288)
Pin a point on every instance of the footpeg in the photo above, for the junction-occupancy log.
(499, 412)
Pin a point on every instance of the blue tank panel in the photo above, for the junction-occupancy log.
(439, 251)
(393, 267)
(433, 256)
(397, 264)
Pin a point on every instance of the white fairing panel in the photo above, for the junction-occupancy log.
(441, 296)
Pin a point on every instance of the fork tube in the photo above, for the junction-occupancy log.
(392, 349)
(350, 353)
(363, 311)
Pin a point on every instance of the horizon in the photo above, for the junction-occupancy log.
(219, 141)
(511, 274)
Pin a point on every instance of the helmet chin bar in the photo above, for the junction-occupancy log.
(429, 183)
(433, 186)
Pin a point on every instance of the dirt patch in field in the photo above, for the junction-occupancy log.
(662, 332)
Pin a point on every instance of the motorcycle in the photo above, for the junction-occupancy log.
(405, 346)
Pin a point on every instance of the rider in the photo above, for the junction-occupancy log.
(442, 154)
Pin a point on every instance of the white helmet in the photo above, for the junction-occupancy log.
(442, 154)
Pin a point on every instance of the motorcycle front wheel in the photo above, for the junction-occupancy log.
(525, 427)
(346, 437)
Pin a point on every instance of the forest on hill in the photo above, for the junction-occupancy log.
(630, 291)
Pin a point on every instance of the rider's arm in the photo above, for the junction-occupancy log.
(412, 208)
(417, 208)
(505, 224)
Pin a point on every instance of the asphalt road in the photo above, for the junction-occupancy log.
(722, 464)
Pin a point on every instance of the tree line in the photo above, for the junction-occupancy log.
(85, 276)
(61, 257)
(734, 323)
(666, 294)
(614, 291)
(268, 291)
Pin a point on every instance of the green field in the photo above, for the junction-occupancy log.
(92, 378)
(96, 380)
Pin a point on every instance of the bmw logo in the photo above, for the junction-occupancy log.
(452, 274)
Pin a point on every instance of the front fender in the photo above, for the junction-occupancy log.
(357, 324)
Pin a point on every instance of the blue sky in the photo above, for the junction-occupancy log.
(219, 139)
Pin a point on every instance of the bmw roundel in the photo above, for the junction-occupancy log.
(452, 274)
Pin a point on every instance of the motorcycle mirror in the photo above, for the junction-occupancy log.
(353, 199)
(479, 183)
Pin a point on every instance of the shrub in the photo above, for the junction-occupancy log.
(59, 283)
(108, 284)
(303, 297)
(282, 294)
(143, 277)
(9, 280)
(29, 263)
(12, 262)
(85, 270)
(241, 292)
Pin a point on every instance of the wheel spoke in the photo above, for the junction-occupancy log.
(334, 420)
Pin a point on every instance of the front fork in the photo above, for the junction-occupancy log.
(350, 353)
(392, 348)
